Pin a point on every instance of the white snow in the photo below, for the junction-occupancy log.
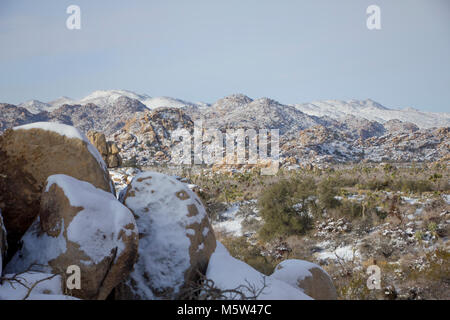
(372, 110)
(34, 240)
(230, 273)
(35, 106)
(446, 198)
(409, 200)
(162, 220)
(103, 98)
(49, 289)
(158, 102)
(67, 131)
(346, 253)
(232, 223)
(97, 227)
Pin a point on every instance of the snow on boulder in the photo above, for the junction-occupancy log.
(80, 225)
(229, 273)
(307, 276)
(31, 153)
(175, 237)
(32, 286)
(3, 243)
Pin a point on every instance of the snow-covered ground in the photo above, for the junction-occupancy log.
(231, 220)
(346, 253)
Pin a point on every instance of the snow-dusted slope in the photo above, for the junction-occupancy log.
(61, 101)
(35, 106)
(374, 111)
(157, 102)
(234, 107)
(103, 98)
(240, 111)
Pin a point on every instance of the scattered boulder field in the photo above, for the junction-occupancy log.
(59, 212)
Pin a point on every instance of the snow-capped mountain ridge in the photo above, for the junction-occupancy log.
(35, 106)
(333, 109)
(371, 110)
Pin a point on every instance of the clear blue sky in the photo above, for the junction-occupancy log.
(292, 51)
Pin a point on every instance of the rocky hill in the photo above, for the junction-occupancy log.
(374, 111)
(313, 133)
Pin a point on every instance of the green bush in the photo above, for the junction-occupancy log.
(351, 208)
(286, 208)
(413, 185)
(327, 190)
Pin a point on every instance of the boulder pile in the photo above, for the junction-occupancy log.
(108, 149)
(30, 154)
(65, 235)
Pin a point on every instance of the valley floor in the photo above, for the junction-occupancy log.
(394, 217)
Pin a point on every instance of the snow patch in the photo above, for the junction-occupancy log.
(230, 273)
(49, 289)
(102, 213)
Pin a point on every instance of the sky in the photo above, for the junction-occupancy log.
(292, 51)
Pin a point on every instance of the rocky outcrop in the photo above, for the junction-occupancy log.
(107, 119)
(399, 126)
(84, 226)
(11, 116)
(108, 149)
(307, 276)
(175, 237)
(147, 138)
(28, 156)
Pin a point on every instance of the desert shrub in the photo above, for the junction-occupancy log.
(327, 190)
(353, 288)
(351, 209)
(413, 185)
(376, 184)
(132, 163)
(286, 208)
(213, 207)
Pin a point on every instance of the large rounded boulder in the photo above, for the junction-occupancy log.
(175, 237)
(83, 226)
(31, 153)
(308, 276)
